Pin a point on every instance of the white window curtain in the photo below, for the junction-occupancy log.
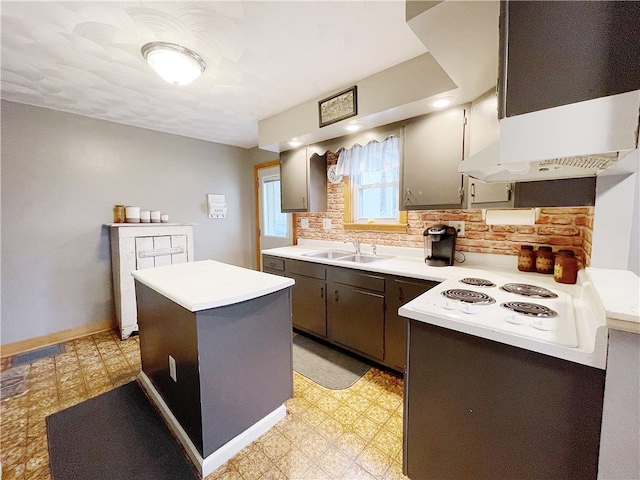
(373, 157)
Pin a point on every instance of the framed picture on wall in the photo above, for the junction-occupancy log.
(338, 107)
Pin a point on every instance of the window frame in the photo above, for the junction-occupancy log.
(349, 224)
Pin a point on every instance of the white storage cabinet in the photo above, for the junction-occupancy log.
(138, 246)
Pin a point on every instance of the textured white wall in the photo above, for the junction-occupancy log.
(61, 176)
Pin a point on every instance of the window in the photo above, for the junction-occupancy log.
(275, 222)
(372, 186)
(375, 196)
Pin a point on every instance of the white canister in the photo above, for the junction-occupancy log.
(164, 218)
(145, 216)
(132, 214)
(155, 216)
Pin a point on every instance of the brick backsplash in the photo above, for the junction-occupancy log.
(559, 227)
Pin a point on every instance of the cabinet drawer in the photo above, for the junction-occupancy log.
(273, 263)
(357, 279)
(307, 269)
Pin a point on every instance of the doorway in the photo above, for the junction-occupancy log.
(273, 228)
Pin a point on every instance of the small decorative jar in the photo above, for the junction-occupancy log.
(544, 260)
(132, 214)
(565, 268)
(118, 214)
(527, 259)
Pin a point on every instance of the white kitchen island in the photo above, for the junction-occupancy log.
(215, 343)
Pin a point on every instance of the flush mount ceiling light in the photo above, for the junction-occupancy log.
(442, 102)
(353, 127)
(174, 63)
(294, 142)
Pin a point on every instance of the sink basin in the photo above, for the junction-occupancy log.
(365, 258)
(328, 254)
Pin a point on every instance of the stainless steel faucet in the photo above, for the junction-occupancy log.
(356, 244)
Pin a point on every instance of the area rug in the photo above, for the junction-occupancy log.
(115, 436)
(325, 365)
(33, 355)
(14, 381)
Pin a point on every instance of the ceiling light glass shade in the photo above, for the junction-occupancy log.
(175, 64)
(294, 142)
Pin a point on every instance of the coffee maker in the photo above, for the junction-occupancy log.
(439, 245)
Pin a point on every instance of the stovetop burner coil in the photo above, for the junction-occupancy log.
(468, 296)
(530, 309)
(477, 282)
(528, 290)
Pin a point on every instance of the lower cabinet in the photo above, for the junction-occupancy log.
(308, 306)
(351, 308)
(399, 291)
(355, 311)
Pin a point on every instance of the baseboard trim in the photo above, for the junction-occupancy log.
(208, 465)
(11, 349)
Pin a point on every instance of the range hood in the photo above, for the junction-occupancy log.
(577, 140)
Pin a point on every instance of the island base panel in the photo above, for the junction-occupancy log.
(233, 363)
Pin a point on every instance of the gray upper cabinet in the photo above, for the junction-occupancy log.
(484, 129)
(557, 53)
(433, 148)
(489, 195)
(303, 180)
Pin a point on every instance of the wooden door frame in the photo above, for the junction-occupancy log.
(256, 184)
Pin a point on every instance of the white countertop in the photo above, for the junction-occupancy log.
(619, 291)
(209, 284)
(409, 262)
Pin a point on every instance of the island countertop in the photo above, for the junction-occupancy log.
(208, 284)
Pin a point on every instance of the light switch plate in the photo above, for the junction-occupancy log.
(326, 223)
(172, 368)
(304, 223)
(458, 225)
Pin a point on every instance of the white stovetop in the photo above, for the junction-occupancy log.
(209, 284)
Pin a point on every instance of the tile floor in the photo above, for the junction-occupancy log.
(349, 434)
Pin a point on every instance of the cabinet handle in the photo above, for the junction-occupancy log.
(472, 190)
(321, 292)
(304, 202)
(335, 294)
(407, 196)
(400, 294)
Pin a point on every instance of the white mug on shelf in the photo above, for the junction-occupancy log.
(145, 216)
(155, 216)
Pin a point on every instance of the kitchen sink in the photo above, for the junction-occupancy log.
(328, 254)
(365, 258)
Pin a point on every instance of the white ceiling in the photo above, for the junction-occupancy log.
(262, 57)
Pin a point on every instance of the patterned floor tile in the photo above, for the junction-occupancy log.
(350, 434)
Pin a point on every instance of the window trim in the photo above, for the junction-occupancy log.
(349, 224)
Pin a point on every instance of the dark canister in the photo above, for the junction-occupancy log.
(565, 268)
(544, 260)
(526, 259)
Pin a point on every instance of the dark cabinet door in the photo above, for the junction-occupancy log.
(398, 292)
(293, 181)
(356, 319)
(433, 148)
(557, 53)
(308, 305)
